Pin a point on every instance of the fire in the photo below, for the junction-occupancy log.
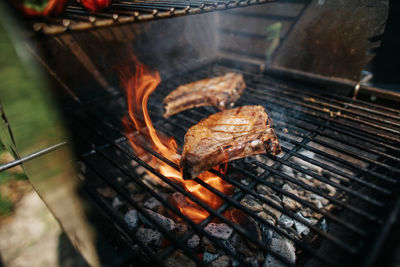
(139, 85)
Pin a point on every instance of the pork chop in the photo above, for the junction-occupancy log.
(227, 135)
(221, 92)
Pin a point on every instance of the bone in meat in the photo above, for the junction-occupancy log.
(227, 135)
(221, 91)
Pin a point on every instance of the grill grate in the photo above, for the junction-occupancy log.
(76, 18)
(354, 145)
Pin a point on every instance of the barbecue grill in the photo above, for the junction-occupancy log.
(331, 197)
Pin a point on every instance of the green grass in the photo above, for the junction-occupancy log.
(7, 176)
(6, 206)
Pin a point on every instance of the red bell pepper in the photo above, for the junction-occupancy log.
(96, 5)
(36, 8)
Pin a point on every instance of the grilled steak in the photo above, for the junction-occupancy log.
(227, 135)
(221, 91)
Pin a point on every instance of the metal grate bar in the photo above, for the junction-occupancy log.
(127, 198)
(327, 167)
(264, 182)
(238, 228)
(362, 196)
(329, 98)
(308, 127)
(349, 143)
(252, 193)
(322, 179)
(313, 100)
(250, 213)
(123, 12)
(360, 212)
(341, 173)
(236, 197)
(373, 138)
(296, 105)
(115, 217)
(365, 214)
(305, 171)
(289, 112)
(167, 204)
(329, 215)
(342, 161)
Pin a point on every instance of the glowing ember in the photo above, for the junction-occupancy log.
(139, 84)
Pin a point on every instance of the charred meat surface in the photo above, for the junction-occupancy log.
(227, 135)
(221, 91)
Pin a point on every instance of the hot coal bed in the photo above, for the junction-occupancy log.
(323, 200)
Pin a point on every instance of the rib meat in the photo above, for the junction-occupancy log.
(221, 91)
(227, 135)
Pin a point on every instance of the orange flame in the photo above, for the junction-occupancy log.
(138, 87)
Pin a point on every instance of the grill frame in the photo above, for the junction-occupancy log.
(383, 223)
(76, 18)
(351, 84)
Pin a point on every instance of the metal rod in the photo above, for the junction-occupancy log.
(140, 10)
(281, 191)
(30, 156)
(382, 234)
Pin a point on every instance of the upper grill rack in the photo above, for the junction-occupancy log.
(337, 129)
(76, 18)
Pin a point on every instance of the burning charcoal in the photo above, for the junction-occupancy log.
(317, 203)
(324, 225)
(194, 241)
(267, 217)
(308, 213)
(138, 197)
(229, 246)
(264, 190)
(306, 181)
(131, 218)
(239, 217)
(179, 200)
(288, 171)
(266, 233)
(251, 203)
(152, 203)
(161, 220)
(178, 259)
(240, 244)
(246, 181)
(268, 209)
(252, 228)
(260, 256)
(221, 261)
(132, 187)
(107, 192)
(271, 261)
(181, 228)
(149, 237)
(253, 262)
(301, 228)
(284, 248)
(306, 164)
(117, 203)
(286, 221)
(219, 230)
(288, 202)
(322, 200)
(208, 245)
(328, 188)
(209, 257)
(276, 181)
